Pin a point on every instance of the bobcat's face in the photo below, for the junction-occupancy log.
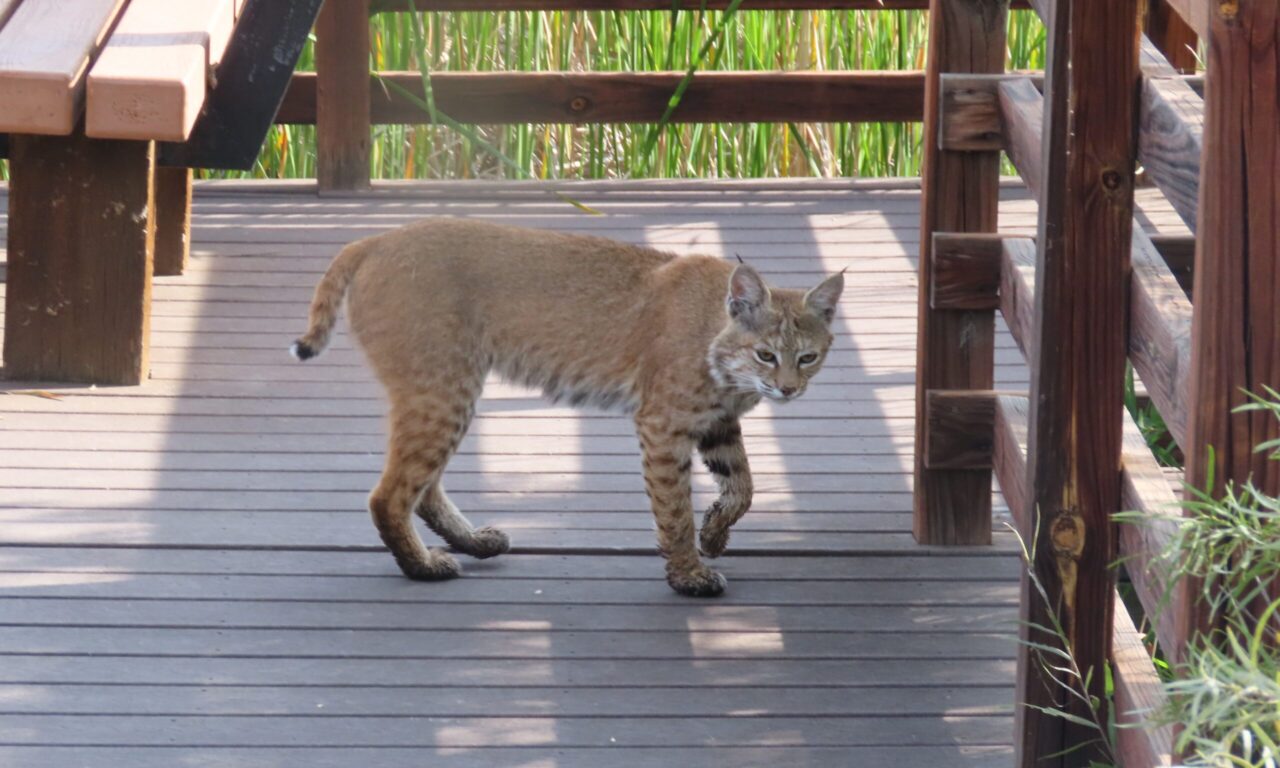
(775, 341)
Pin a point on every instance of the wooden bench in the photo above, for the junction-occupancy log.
(107, 107)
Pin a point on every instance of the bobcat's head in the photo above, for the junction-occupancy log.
(774, 341)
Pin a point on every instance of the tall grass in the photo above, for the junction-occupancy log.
(607, 41)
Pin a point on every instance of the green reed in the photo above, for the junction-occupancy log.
(610, 41)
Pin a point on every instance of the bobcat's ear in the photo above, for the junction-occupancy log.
(747, 293)
(822, 300)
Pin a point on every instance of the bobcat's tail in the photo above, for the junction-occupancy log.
(330, 292)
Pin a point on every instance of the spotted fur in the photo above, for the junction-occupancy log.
(686, 345)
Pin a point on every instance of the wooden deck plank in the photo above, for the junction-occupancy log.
(45, 51)
(462, 701)
(645, 757)
(187, 568)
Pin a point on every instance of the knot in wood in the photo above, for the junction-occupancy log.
(1111, 179)
(1067, 535)
(1229, 9)
(579, 104)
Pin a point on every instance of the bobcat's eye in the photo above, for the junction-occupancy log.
(809, 359)
(765, 356)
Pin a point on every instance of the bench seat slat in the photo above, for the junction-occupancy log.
(45, 50)
(150, 81)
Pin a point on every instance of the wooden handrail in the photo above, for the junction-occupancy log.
(632, 97)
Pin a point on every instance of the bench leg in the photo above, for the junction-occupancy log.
(81, 241)
(173, 220)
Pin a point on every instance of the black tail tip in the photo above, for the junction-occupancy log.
(302, 350)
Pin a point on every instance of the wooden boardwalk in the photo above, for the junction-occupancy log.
(188, 575)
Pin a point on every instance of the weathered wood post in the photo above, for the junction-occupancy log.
(955, 349)
(1077, 361)
(173, 220)
(1235, 332)
(342, 95)
(81, 241)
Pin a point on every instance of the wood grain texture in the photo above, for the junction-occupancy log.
(628, 97)
(966, 271)
(173, 220)
(959, 429)
(1235, 343)
(251, 82)
(1077, 359)
(954, 349)
(1172, 36)
(970, 114)
(1009, 454)
(1018, 290)
(1022, 110)
(78, 292)
(45, 53)
(341, 96)
(1146, 490)
(1195, 13)
(1160, 319)
(1170, 139)
(149, 80)
(1138, 693)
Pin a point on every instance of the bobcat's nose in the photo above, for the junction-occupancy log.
(787, 391)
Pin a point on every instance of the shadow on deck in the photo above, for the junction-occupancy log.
(188, 575)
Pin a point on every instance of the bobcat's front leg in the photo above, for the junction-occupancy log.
(723, 453)
(668, 458)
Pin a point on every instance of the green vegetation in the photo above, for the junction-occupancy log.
(1226, 695)
(639, 41)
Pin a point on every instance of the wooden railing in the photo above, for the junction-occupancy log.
(1090, 290)
(342, 79)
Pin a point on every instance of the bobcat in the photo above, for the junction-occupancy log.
(686, 345)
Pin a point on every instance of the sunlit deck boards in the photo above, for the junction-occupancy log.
(187, 574)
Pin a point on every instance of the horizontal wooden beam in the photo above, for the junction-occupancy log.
(970, 113)
(1009, 454)
(958, 428)
(392, 6)
(1018, 290)
(965, 270)
(1022, 115)
(633, 97)
(1160, 334)
(1194, 12)
(1145, 489)
(1160, 315)
(972, 429)
(1170, 136)
(1138, 694)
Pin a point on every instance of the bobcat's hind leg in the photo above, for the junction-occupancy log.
(424, 434)
(449, 524)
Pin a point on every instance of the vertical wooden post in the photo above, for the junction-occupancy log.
(1173, 36)
(1235, 330)
(81, 239)
(1077, 362)
(173, 220)
(955, 349)
(342, 95)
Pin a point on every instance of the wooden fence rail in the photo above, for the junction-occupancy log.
(1054, 453)
(342, 79)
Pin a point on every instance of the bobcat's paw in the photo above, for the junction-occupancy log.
(487, 542)
(714, 536)
(699, 582)
(439, 566)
